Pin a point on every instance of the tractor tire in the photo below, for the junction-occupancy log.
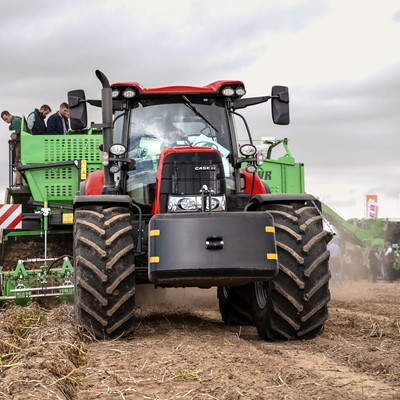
(294, 305)
(104, 271)
(235, 305)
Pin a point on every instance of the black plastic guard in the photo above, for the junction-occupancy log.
(283, 198)
(104, 200)
(212, 249)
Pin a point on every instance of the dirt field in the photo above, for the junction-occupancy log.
(186, 352)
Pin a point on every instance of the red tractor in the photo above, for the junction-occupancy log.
(179, 204)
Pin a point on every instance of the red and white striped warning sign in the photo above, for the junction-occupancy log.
(10, 216)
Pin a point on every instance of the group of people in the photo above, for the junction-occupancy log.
(380, 263)
(57, 124)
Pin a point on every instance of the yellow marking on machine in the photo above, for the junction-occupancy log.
(154, 232)
(154, 259)
(272, 256)
(83, 170)
(270, 229)
(68, 218)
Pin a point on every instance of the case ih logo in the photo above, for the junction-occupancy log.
(206, 168)
(10, 216)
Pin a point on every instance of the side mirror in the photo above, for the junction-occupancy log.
(77, 109)
(280, 105)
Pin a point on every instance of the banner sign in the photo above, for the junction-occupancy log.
(371, 202)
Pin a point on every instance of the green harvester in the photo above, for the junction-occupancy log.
(52, 169)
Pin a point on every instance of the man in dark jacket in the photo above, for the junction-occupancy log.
(58, 124)
(36, 119)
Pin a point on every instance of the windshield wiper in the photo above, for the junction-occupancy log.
(190, 105)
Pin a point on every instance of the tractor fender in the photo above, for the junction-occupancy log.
(286, 198)
(105, 200)
(259, 187)
(94, 183)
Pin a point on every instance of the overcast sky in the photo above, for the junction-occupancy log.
(340, 59)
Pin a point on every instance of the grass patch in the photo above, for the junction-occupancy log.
(16, 322)
(185, 375)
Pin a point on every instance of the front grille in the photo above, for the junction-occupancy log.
(186, 173)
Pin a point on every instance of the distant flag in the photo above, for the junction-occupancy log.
(371, 206)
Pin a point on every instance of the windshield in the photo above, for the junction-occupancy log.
(154, 126)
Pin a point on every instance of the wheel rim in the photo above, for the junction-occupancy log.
(261, 294)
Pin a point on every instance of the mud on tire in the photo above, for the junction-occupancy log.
(104, 271)
(294, 304)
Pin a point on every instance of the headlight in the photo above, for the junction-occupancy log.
(115, 93)
(193, 203)
(117, 149)
(128, 93)
(214, 203)
(240, 91)
(188, 204)
(114, 169)
(228, 91)
(251, 169)
(248, 150)
(260, 159)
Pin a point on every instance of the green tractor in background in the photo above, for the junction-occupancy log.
(284, 175)
(36, 258)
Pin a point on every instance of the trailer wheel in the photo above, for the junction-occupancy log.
(294, 305)
(235, 305)
(104, 271)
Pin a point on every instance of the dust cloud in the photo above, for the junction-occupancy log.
(190, 297)
(349, 290)
(148, 295)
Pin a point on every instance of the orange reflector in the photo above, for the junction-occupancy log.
(155, 232)
(272, 256)
(270, 229)
(154, 259)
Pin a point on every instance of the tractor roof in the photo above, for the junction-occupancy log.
(213, 88)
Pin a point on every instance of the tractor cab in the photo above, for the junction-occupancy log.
(191, 130)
